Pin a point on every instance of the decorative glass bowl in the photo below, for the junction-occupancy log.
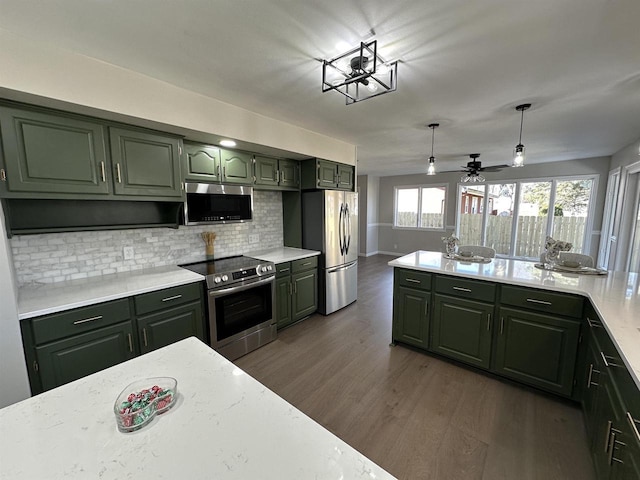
(142, 400)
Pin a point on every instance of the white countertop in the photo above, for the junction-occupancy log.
(283, 254)
(616, 296)
(224, 425)
(43, 299)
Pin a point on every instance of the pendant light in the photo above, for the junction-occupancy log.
(518, 152)
(432, 160)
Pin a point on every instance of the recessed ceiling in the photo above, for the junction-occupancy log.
(465, 65)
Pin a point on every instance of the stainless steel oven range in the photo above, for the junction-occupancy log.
(241, 303)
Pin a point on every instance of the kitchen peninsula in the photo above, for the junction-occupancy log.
(224, 425)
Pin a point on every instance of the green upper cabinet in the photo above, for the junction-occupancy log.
(202, 163)
(276, 173)
(47, 154)
(319, 173)
(237, 167)
(145, 163)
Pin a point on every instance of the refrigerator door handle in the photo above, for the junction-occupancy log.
(340, 269)
(347, 230)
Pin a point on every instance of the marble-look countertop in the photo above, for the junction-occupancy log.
(616, 296)
(283, 254)
(46, 298)
(224, 425)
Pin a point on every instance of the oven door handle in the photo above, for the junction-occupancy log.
(240, 288)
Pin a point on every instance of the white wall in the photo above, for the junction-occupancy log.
(14, 384)
(626, 156)
(395, 241)
(368, 188)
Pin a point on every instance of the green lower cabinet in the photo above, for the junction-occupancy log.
(170, 326)
(305, 294)
(537, 349)
(75, 357)
(461, 329)
(283, 302)
(411, 316)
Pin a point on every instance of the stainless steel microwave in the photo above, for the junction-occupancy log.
(214, 203)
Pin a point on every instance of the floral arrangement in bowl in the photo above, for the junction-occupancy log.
(552, 249)
(450, 243)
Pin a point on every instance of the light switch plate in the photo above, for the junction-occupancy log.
(128, 253)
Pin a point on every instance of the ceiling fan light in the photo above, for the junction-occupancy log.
(432, 166)
(372, 86)
(518, 156)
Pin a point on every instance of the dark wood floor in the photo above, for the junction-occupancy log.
(417, 416)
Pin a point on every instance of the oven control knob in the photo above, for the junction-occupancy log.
(224, 278)
(216, 279)
(269, 268)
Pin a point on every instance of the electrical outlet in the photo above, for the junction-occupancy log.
(395, 246)
(255, 238)
(128, 253)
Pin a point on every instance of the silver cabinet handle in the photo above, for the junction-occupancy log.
(224, 172)
(607, 436)
(612, 441)
(591, 372)
(305, 264)
(168, 299)
(501, 325)
(284, 270)
(102, 172)
(426, 309)
(488, 322)
(118, 173)
(634, 427)
(144, 336)
(130, 343)
(540, 302)
(593, 323)
(462, 289)
(218, 170)
(413, 280)
(607, 362)
(85, 320)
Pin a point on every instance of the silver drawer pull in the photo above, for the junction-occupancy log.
(634, 427)
(305, 264)
(607, 361)
(412, 280)
(593, 323)
(540, 302)
(590, 382)
(168, 299)
(462, 289)
(85, 320)
(284, 270)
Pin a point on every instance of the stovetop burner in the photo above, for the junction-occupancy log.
(225, 271)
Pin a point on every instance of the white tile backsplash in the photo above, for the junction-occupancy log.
(57, 257)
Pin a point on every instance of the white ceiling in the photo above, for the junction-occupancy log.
(464, 64)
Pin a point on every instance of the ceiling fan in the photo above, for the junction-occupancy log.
(474, 167)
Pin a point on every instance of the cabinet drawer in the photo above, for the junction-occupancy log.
(80, 320)
(304, 264)
(413, 279)
(167, 298)
(283, 269)
(541, 301)
(466, 288)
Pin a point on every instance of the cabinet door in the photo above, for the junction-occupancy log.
(169, 326)
(411, 316)
(462, 329)
(289, 176)
(590, 387)
(237, 167)
(327, 174)
(345, 176)
(283, 301)
(537, 349)
(145, 164)
(305, 293)
(202, 163)
(81, 355)
(51, 154)
(266, 171)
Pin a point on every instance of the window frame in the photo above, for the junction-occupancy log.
(588, 228)
(396, 188)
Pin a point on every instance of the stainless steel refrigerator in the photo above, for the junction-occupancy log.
(330, 224)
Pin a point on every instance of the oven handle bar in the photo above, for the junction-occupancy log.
(239, 288)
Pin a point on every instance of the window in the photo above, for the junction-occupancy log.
(514, 218)
(420, 207)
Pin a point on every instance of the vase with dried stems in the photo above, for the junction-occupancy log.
(209, 238)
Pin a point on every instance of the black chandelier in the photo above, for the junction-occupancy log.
(360, 73)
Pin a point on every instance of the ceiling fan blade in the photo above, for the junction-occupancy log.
(494, 168)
